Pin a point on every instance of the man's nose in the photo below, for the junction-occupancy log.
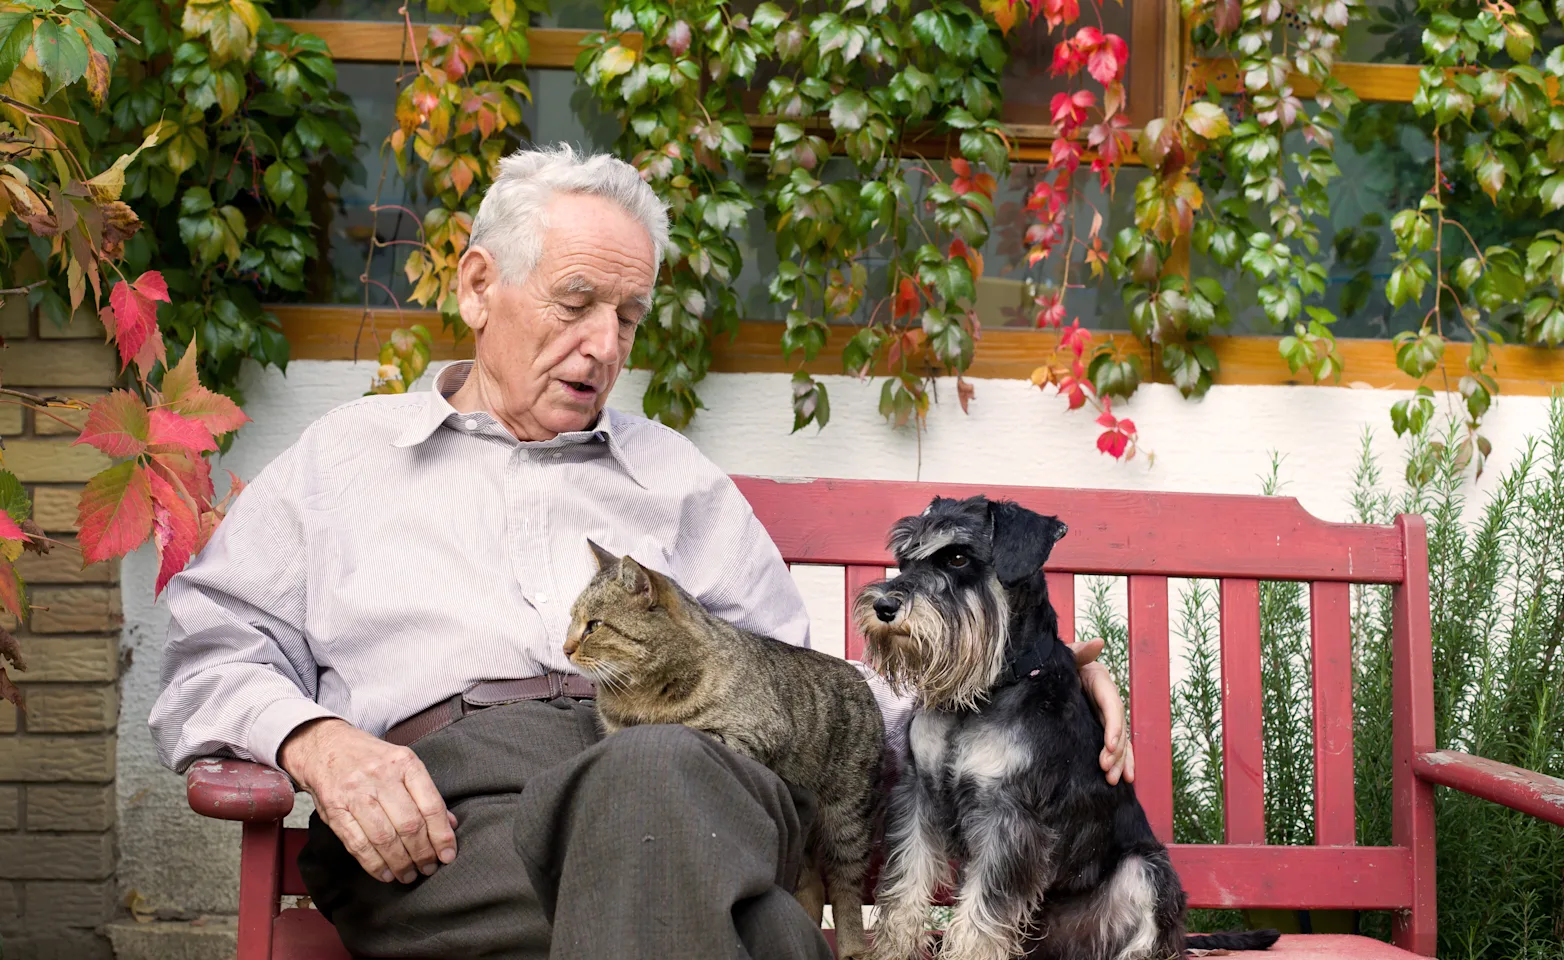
(601, 339)
(886, 608)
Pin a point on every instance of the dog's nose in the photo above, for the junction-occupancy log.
(886, 608)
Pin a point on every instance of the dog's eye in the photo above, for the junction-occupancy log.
(956, 560)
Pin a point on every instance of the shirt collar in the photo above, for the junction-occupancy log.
(437, 412)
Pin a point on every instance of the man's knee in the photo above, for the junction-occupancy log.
(657, 753)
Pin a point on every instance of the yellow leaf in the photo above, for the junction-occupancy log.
(108, 185)
(1003, 12)
(1042, 376)
(616, 60)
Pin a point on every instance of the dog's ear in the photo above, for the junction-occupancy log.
(1022, 540)
(603, 557)
(638, 581)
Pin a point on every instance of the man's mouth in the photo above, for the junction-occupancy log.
(580, 389)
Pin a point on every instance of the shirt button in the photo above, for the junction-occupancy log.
(558, 455)
(541, 598)
(470, 424)
(523, 455)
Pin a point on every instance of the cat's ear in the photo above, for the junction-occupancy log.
(638, 581)
(603, 557)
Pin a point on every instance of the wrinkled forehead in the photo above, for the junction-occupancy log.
(944, 523)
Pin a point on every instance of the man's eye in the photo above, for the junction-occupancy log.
(956, 560)
(631, 322)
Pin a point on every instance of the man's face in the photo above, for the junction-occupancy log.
(550, 349)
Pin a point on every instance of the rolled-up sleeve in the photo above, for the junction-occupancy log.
(729, 563)
(238, 675)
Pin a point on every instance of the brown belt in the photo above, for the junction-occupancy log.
(490, 693)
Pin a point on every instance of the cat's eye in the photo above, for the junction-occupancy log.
(957, 560)
(590, 626)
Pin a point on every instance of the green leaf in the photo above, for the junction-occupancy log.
(62, 55)
(768, 16)
(849, 110)
(959, 119)
(13, 498)
(16, 35)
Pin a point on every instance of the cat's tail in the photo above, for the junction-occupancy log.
(1236, 940)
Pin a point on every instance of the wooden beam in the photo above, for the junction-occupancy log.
(373, 41)
(328, 333)
(1383, 82)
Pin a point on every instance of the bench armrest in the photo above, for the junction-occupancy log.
(1538, 794)
(228, 789)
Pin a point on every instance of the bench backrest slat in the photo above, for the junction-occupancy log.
(1243, 764)
(1330, 623)
(1151, 712)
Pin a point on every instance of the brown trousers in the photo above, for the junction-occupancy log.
(654, 843)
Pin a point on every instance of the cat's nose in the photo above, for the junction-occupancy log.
(886, 608)
(571, 643)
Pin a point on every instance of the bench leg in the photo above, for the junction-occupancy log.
(260, 887)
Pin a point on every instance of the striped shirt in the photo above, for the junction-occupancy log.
(400, 552)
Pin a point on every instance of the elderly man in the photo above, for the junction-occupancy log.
(382, 614)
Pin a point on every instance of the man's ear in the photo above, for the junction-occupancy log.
(603, 557)
(638, 581)
(1022, 540)
(476, 275)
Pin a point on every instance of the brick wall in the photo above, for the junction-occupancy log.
(57, 806)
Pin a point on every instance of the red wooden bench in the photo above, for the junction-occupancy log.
(1147, 537)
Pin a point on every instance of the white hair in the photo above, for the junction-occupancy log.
(513, 217)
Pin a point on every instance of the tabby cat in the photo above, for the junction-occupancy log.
(659, 657)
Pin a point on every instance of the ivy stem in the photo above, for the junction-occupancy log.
(112, 25)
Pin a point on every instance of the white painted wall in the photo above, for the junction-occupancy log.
(1014, 435)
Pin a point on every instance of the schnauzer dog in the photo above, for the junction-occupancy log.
(1003, 775)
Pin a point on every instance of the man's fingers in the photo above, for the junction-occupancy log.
(352, 836)
(1129, 763)
(439, 823)
(411, 827)
(383, 836)
(1086, 651)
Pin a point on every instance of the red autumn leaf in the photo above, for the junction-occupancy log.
(134, 319)
(962, 167)
(1056, 12)
(117, 424)
(11, 597)
(183, 393)
(906, 298)
(169, 429)
(115, 513)
(1065, 155)
(1068, 60)
(1112, 442)
(175, 530)
(1107, 419)
(11, 530)
(1075, 338)
(1127, 427)
(965, 391)
(190, 475)
(1103, 65)
(1088, 38)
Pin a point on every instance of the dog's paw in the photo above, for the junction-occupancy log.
(904, 944)
(963, 941)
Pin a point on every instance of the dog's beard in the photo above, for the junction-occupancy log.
(946, 659)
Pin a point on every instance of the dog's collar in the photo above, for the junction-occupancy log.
(1024, 663)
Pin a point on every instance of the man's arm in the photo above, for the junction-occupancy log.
(239, 678)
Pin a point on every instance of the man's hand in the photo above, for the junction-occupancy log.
(376, 797)
(1117, 758)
